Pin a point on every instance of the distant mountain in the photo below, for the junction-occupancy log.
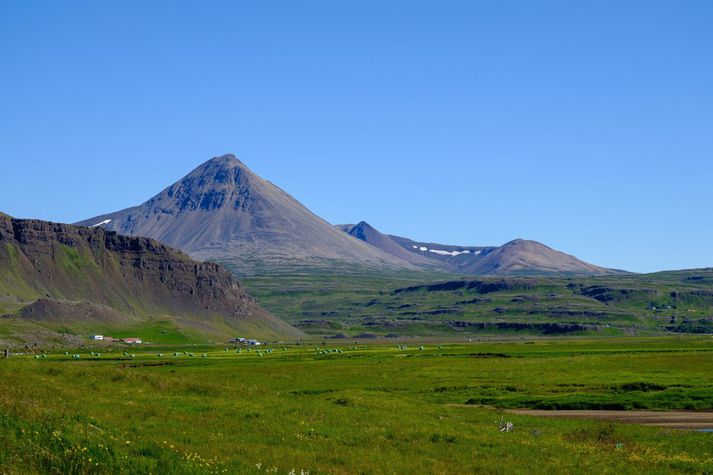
(365, 232)
(223, 211)
(526, 257)
(59, 279)
(515, 257)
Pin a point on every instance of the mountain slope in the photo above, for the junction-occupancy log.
(529, 257)
(59, 275)
(453, 256)
(224, 211)
(365, 232)
(515, 257)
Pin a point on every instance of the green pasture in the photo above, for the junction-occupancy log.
(354, 409)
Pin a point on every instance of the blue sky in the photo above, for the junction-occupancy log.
(585, 125)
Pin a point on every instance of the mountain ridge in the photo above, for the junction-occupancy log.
(519, 256)
(223, 211)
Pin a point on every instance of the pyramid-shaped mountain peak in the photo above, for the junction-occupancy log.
(227, 161)
(221, 182)
(222, 210)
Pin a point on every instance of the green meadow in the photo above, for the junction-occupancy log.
(355, 408)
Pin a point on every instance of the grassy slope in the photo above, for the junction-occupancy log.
(371, 410)
(14, 290)
(351, 304)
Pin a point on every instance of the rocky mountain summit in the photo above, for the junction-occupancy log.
(224, 211)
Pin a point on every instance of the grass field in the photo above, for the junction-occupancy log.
(363, 409)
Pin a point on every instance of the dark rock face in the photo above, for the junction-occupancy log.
(438, 311)
(608, 294)
(482, 287)
(544, 328)
(142, 264)
(131, 275)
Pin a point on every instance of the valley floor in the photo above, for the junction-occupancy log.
(365, 409)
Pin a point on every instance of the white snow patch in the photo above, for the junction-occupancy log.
(441, 252)
(448, 253)
(106, 221)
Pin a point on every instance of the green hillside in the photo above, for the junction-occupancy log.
(432, 305)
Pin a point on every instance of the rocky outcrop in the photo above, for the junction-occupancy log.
(544, 328)
(608, 294)
(131, 275)
(480, 286)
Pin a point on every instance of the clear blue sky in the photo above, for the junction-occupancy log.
(585, 125)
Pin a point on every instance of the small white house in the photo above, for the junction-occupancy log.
(97, 337)
(246, 341)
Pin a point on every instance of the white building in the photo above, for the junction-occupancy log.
(246, 341)
(97, 337)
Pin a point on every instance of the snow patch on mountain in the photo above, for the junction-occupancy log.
(448, 253)
(441, 252)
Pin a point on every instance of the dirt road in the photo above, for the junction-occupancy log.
(672, 419)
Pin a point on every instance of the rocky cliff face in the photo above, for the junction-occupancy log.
(135, 276)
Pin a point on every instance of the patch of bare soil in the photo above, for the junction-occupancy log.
(672, 419)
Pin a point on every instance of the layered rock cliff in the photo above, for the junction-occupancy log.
(137, 277)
